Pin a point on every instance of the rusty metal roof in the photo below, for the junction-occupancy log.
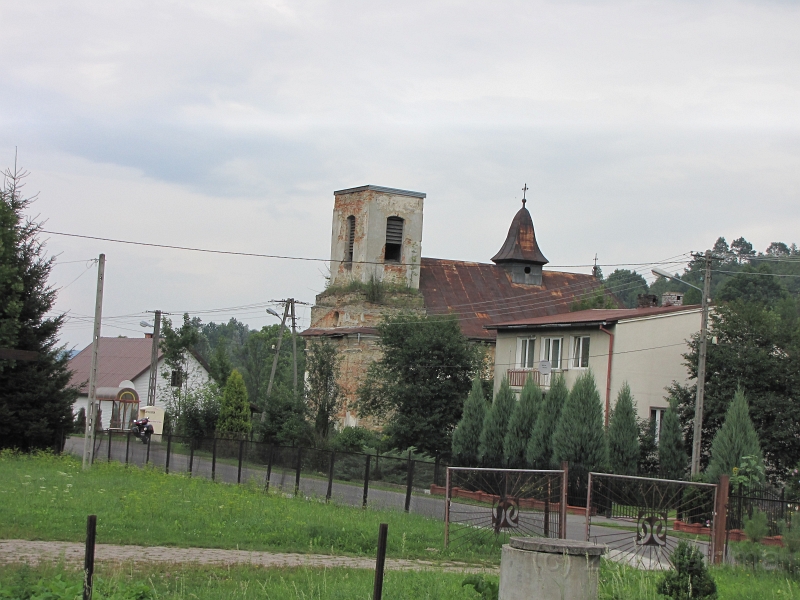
(118, 359)
(592, 315)
(520, 244)
(482, 294)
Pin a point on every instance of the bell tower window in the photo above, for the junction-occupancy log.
(351, 240)
(394, 239)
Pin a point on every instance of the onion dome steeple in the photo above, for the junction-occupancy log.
(520, 254)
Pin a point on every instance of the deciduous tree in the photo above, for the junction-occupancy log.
(323, 393)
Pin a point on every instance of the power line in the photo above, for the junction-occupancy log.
(759, 274)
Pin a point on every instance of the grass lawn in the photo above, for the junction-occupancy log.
(247, 582)
(47, 497)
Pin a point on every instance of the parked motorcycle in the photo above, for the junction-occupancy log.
(142, 429)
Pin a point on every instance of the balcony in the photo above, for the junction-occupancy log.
(518, 377)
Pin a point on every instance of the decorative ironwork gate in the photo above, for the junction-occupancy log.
(485, 507)
(641, 520)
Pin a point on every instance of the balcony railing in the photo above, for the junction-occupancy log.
(518, 377)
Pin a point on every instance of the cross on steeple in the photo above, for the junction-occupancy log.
(524, 192)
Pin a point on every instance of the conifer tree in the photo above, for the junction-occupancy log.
(736, 438)
(234, 413)
(623, 435)
(495, 425)
(579, 437)
(539, 454)
(467, 435)
(520, 426)
(672, 457)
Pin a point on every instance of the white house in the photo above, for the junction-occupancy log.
(123, 377)
(643, 346)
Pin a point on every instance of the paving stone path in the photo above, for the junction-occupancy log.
(72, 553)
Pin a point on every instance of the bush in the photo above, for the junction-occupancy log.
(79, 424)
(690, 577)
(353, 439)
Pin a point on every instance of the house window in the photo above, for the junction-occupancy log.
(351, 239)
(177, 379)
(394, 239)
(525, 352)
(551, 350)
(580, 352)
(657, 418)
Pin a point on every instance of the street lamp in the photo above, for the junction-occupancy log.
(701, 361)
(273, 313)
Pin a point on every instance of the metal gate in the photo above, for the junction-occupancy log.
(485, 507)
(641, 520)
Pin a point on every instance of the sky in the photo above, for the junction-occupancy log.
(644, 131)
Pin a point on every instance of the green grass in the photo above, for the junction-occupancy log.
(47, 497)
(249, 582)
(618, 582)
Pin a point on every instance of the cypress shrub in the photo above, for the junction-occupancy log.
(539, 453)
(520, 426)
(672, 457)
(234, 412)
(467, 435)
(623, 435)
(736, 438)
(690, 579)
(495, 425)
(579, 437)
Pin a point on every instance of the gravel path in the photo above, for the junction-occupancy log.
(35, 552)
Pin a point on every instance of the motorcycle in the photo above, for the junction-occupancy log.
(142, 429)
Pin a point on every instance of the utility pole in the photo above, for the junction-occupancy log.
(91, 409)
(151, 388)
(294, 346)
(275, 360)
(701, 369)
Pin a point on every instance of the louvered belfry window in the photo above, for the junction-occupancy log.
(351, 238)
(394, 239)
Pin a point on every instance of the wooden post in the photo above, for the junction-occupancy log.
(720, 519)
(409, 481)
(214, 460)
(108, 458)
(330, 477)
(241, 452)
(588, 507)
(377, 590)
(269, 467)
(562, 508)
(191, 456)
(366, 482)
(92, 404)
(127, 446)
(147, 458)
(88, 561)
(297, 472)
(151, 385)
(169, 447)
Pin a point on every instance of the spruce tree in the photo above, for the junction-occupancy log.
(520, 426)
(579, 437)
(539, 454)
(495, 425)
(35, 397)
(736, 438)
(234, 413)
(467, 435)
(672, 457)
(623, 435)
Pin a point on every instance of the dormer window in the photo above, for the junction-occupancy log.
(351, 240)
(394, 239)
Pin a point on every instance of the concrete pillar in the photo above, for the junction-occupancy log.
(549, 569)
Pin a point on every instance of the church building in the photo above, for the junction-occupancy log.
(377, 268)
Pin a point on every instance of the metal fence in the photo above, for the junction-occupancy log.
(352, 478)
(488, 506)
(641, 520)
(744, 500)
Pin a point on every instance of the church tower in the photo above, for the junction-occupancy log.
(520, 255)
(376, 233)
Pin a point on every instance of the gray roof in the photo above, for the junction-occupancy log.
(378, 188)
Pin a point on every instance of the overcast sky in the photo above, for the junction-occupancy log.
(644, 130)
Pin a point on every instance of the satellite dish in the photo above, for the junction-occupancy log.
(545, 367)
(127, 384)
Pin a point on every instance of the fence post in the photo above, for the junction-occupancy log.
(239, 472)
(720, 518)
(588, 506)
(147, 458)
(297, 472)
(547, 509)
(88, 560)
(109, 446)
(169, 447)
(409, 481)
(377, 590)
(366, 482)
(269, 467)
(447, 508)
(562, 508)
(214, 460)
(191, 455)
(127, 446)
(436, 470)
(330, 477)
